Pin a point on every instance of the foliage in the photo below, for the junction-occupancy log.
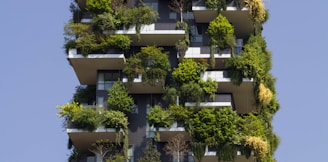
(188, 70)
(119, 99)
(254, 62)
(226, 151)
(103, 22)
(259, 146)
(215, 127)
(144, 15)
(221, 32)
(180, 113)
(191, 92)
(216, 4)
(68, 110)
(256, 10)
(159, 117)
(151, 154)
(264, 95)
(132, 67)
(86, 119)
(75, 30)
(177, 147)
(198, 149)
(240, 4)
(114, 119)
(119, 41)
(75, 156)
(182, 45)
(251, 125)
(87, 44)
(210, 87)
(170, 96)
(102, 148)
(85, 94)
(151, 62)
(96, 7)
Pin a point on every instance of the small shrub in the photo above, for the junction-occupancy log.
(114, 119)
(259, 146)
(159, 117)
(86, 119)
(264, 95)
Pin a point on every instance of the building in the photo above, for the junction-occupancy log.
(101, 55)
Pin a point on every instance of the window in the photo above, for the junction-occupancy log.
(107, 79)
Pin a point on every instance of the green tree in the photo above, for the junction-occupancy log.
(221, 32)
(86, 119)
(216, 4)
(187, 71)
(191, 92)
(151, 154)
(170, 96)
(114, 119)
(96, 7)
(159, 117)
(151, 62)
(210, 87)
(119, 99)
(85, 94)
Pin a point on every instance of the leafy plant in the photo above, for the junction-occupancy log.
(256, 10)
(198, 148)
(119, 99)
(264, 94)
(68, 110)
(151, 154)
(221, 32)
(159, 117)
(259, 146)
(96, 7)
(151, 62)
(103, 22)
(85, 94)
(215, 127)
(180, 113)
(191, 92)
(216, 4)
(187, 71)
(210, 87)
(86, 119)
(114, 119)
(170, 96)
(119, 41)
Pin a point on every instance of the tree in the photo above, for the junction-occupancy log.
(221, 32)
(159, 117)
(188, 70)
(177, 147)
(180, 6)
(198, 149)
(119, 99)
(102, 148)
(151, 62)
(151, 154)
(96, 7)
(216, 4)
(85, 94)
(191, 92)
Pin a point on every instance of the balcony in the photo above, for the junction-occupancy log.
(160, 34)
(204, 53)
(176, 128)
(210, 156)
(83, 139)
(137, 86)
(221, 100)
(242, 95)
(86, 67)
(238, 18)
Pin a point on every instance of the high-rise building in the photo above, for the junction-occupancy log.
(172, 73)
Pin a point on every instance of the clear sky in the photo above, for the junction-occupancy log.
(35, 77)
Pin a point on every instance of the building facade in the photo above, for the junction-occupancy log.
(113, 41)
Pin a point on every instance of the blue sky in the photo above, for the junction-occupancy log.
(35, 77)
